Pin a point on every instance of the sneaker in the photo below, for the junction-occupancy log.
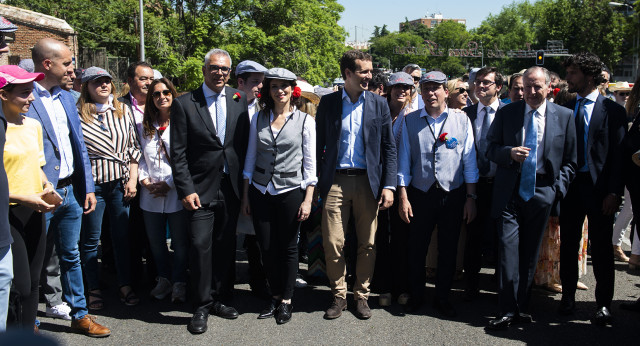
(300, 282)
(162, 289)
(179, 294)
(59, 311)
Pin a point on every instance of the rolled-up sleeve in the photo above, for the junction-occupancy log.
(404, 158)
(309, 177)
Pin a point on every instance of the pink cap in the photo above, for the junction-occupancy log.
(16, 75)
(3, 82)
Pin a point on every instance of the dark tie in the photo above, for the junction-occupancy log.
(528, 173)
(483, 163)
(580, 132)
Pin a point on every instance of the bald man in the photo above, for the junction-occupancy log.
(68, 169)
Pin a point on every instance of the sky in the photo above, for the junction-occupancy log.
(365, 14)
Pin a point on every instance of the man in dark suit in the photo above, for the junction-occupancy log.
(481, 232)
(534, 145)
(209, 131)
(357, 173)
(599, 184)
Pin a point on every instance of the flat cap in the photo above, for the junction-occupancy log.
(434, 77)
(94, 72)
(400, 78)
(7, 26)
(472, 74)
(280, 73)
(27, 65)
(249, 66)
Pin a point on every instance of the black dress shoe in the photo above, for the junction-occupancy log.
(567, 306)
(224, 311)
(198, 323)
(269, 310)
(283, 313)
(502, 323)
(602, 317)
(445, 308)
(633, 306)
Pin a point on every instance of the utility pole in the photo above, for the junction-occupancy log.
(142, 58)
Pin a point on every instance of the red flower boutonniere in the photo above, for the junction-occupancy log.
(259, 95)
(556, 91)
(443, 137)
(296, 92)
(161, 130)
(237, 97)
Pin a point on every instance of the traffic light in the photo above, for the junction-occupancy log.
(540, 58)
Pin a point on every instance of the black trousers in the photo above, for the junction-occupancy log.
(520, 231)
(382, 275)
(275, 219)
(213, 241)
(481, 234)
(431, 208)
(29, 242)
(582, 199)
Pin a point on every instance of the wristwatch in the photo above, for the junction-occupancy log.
(472, 196)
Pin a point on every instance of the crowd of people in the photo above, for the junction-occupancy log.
(434, 176)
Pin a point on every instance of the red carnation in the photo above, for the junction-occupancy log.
(556, 91)
(161, 130)
(296, 92)
(443, 137)
(237, 97)
(259, 95)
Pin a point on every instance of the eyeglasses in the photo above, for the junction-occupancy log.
(624, 94)
(101, 121)
(484, 82)
(461, 90)
(416, 78)
(215, 68)
(165, 92)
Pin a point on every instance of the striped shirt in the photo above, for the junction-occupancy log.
(112, 144)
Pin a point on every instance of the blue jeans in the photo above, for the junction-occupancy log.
(156, 231)
(66, 222)
(109, 196)
(6, 274)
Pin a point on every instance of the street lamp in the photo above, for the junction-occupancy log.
(628, 11)
(141, 33)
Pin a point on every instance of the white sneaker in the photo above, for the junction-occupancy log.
(179, 294)
(59, 311)
(300, 283)
(162, 289)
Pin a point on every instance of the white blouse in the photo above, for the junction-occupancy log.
(155, 166)
(308, 155)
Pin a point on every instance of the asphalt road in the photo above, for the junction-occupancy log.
(161, 322)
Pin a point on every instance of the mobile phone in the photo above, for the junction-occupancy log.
(52, 198)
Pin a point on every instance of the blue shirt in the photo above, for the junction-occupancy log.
(588, 111)
(351, 152)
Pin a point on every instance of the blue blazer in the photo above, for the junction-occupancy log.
(379, 143)
(82, 177)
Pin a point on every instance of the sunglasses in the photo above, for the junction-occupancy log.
(416, 78)
(101, 121)
(624, 94)
(165, 92)
(461, 90)
(215, 68)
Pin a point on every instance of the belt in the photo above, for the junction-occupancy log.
(351, 171)
(64, 182)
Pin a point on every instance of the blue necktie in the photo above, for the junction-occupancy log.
(528, 173)
(221, 120)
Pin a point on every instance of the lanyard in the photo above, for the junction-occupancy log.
(435, 139)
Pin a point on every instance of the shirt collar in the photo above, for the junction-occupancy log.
(42, 92)
(345, 96)
(443, 115)
(593, 96)
(210, 93)
(541, 110)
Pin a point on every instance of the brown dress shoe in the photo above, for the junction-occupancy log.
(619, 255)
(362, 309)
(337, 307)
(634, 262)
(89, 327)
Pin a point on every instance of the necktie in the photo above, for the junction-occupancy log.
(580, 132)
(221, 120)
(528, 173)
(483, 163)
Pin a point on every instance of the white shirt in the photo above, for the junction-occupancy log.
(210, 96)
(308, 155)
(155, 166)
(252, 108)
(540, 123)
(477, 127)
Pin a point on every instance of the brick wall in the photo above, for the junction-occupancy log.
(26, 37)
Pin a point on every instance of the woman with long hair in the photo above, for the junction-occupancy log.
(279, 178)
(112, 144)
(458, 94)
(159, 199)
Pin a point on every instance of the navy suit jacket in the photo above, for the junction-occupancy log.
(607, 129)
(379, 143)
(559, 150)
(472, 113)
(82, 177)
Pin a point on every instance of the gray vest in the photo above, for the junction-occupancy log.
(446, 166)
(279, 159)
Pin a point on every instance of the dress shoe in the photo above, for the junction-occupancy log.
(362, 309)
(337, 307)
(224, 311)
(198, 323)
(567, 306)
(619, 255)
(502, 323)
(89, 327)
(283, 313)
(633, 306)
(602, 317)
(445, 308)
(269, 310)
(634, 262)
(524, 318)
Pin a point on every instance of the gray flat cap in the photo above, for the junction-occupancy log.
(249, 66)
(472, 74)
(7, 26)
(400, 78)
(434, 77)
(27, 65)
(94, 72)
(280, 73)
